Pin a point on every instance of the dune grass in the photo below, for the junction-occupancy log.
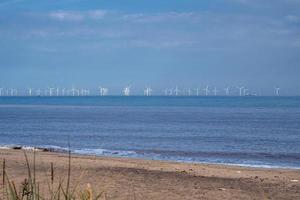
(29, 189)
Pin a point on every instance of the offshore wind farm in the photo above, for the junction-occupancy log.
(149, 100)
(147, 91)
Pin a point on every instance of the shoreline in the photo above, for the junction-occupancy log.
(153, 179)
(55, 149)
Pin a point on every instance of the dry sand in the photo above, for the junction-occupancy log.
(123, 178)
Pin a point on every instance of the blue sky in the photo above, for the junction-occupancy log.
(254, 43)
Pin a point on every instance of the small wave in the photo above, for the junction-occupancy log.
(52, 148)
(154, 155)
(104, 152)
(45, 148)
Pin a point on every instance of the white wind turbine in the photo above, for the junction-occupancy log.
(38, 92)
(215, 91)
(166, 91)
(147, 91)
(206, 90)
(126, 91)
(63, 91)
(86, 92)
(103, 91)
(13, 92)
(176, 91)
(57, 91)
(51, 91)
(73, 90)
(241, 90)
(227, 91)
(277, 89)
(246, 92)
(189, 92)
(197, 91)
(29, 91)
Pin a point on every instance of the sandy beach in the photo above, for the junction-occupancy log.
(122, 178)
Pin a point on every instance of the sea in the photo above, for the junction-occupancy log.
(244, 131)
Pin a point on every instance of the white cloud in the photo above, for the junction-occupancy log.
(160, 17)
(66, 16)
(97, 14)
(293, 18)
(77, 15)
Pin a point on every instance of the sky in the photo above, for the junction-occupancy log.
(190, 43)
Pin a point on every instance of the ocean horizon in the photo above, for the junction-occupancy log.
(261, 131)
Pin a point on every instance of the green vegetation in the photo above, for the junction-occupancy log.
(29, 189)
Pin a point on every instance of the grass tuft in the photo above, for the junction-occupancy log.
(29, 189)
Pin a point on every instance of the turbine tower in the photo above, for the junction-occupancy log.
(30, 91)
(126, 91)
(246, 92)
(147, 91)
(103, 91)
(189, 92)
(51, 91)
(206, 90)
(63, 91)
(38, 92)
(13, 92)
(277, 89)
(241, 90)
(215, 91)
(176, 91)
(197, 91)
(73, 90)
(1, 89)
(166, 92)
(84, 92)
(227, 91)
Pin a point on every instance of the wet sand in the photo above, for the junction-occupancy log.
(124, 178)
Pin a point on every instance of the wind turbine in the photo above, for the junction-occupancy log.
(29, 91)
(73, 90)
(277, 89)
(50, 91)
(246, 92)
(147, 91)
(227, 91)
(241, 90)
(13, 92)
(1, 91)
(176, 91)
(197, 91)
(57, 91)
(166, 91)
(215, 91)
(86, 92)
(63, 91)
(126, 91)
(189, 92)
(206, 90)
(38, 92)
(103, 91)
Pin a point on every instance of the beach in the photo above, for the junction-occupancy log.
(128, 178)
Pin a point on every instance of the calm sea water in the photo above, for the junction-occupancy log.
(251, 131)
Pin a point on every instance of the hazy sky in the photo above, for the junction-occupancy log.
(254, 43)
